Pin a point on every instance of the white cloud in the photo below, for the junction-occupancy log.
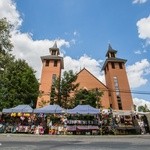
(87, 62)
(143, 26)
(24, 46)
(139, 1)
(141, 102)
(31, 50)
(73, 41)
(8, 10)
(137, 72)
(138, 52)
(75, 33)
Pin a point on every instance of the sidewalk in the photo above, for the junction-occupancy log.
(33, 137)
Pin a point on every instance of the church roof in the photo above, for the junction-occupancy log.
(55, 48)
(55, 45)
(51, 57)
(110, 49)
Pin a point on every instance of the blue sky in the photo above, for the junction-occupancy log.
(83, 29)
(96, 24)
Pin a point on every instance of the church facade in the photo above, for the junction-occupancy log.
(116, 92)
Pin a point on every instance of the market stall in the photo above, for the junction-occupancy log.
(17, 119)
(83, 119)
(54, 118)
(126, 122)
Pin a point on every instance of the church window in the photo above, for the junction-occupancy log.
(53, 78)
(55, 63)
(113, 65)
(112, 55)
(110, 105)
(53, 52)
(120, 65)
(47, 63)
(120, 106)
(116, 85)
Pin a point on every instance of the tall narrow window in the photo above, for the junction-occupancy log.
(53, 78)
(116, 86)
(117, 93)
(112, 55)
(120, 65)
(110, 105)
(53, 52)
(55, 63)
(47, 63)
(113, 65)
(120, 106)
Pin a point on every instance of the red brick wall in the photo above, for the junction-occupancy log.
(46, 80)
(125, 94)
(88, 81)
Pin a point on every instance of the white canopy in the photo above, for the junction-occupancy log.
(83, 109)
(19, 108)
(52, 109)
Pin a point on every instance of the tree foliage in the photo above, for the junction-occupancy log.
(143, 108)
(18, 84)
(5, 42)
(62, 89)
(91, 97)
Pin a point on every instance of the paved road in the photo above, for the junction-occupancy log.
(67, 142)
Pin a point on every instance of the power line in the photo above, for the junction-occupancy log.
(127, 91)
(101, 89)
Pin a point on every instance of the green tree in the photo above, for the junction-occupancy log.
(19, 85)
(143, 108)
(6, 58)
(91, 97)
(5, 43)
(62, 89)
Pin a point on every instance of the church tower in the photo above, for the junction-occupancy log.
(117, 81)
(51, 69)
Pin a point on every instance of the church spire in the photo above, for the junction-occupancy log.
(54, 50)
(111, 52)
(55, 45)
(109, 47)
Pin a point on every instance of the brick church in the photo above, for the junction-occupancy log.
(117, 93)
